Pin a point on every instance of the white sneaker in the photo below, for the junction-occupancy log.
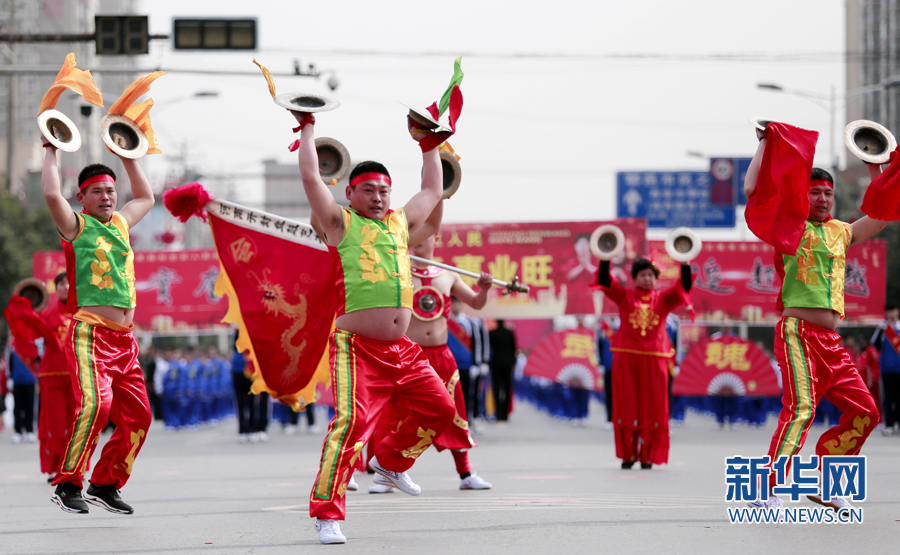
(473, 481)
(836, 503)
(314, 429)
(30, 437)
(329, 531)
(262, 436)
(290, 429)
(352, 485)
(399, 480)
(380, 488)
(17, 438)
(771, 503)
(608, 426)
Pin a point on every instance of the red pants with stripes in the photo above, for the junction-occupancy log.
(365, 376)
(109, 386)
(815, 366)
(456, 437)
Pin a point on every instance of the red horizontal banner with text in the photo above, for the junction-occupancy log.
(175, 289)
(552, 258)
(736, 280)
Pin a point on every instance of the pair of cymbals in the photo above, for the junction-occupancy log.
(867, 140)
(122, 135)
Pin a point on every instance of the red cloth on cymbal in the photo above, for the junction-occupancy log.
(779, 206)
(882, 199)
(435, 139)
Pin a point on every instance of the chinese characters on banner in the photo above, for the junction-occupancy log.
(175, 290)
(736, 280)
(567, 357)
(552, 258)
(727, 366)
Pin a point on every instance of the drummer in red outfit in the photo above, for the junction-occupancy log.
(57, 396)
(641, 356)
(432, 287)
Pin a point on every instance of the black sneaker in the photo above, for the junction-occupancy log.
(627, 465)
(646, 466)
(68, 497)
(108, 498)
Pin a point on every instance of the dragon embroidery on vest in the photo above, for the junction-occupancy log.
(101, 266)
(370, 258)
(806, 262)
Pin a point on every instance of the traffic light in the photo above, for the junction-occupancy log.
(215, 34)
(121, 34)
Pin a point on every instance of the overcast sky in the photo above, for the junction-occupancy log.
(559, 96)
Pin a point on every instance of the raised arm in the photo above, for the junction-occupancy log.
(421, 205)
(143, 200)
(866, 227)
(326, 211)
(429, 227)
(467, 295)
(60, 210)
(753, 170)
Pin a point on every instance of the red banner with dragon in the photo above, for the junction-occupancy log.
(277, 275)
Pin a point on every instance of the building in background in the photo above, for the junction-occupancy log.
(26, 72)
(285, 195)
(873, 59)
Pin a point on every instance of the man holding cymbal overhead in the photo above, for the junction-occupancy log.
(789, 207)
(372, 361)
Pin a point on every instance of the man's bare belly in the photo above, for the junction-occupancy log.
(428, 334)
(822, 317)
(380, 324)
(122, 316)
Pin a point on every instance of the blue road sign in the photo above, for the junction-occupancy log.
(673, 199)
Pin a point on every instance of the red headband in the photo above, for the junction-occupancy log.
(102, 178)
(376, 176)
(820, 183)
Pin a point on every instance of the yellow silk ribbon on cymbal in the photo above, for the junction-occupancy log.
(268, 77)
(77, 81)
(139, 113)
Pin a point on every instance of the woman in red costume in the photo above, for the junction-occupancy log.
(641, 356)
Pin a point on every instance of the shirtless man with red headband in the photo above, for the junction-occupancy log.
(103, 353)
(373, 363)
(789, 207)
(431, 307)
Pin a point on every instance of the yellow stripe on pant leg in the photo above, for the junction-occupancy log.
(90, 394)
(344, 374)
(803, 390)
(787, 384)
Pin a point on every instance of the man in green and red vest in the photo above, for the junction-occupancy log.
(103, 353)
(372, 361)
